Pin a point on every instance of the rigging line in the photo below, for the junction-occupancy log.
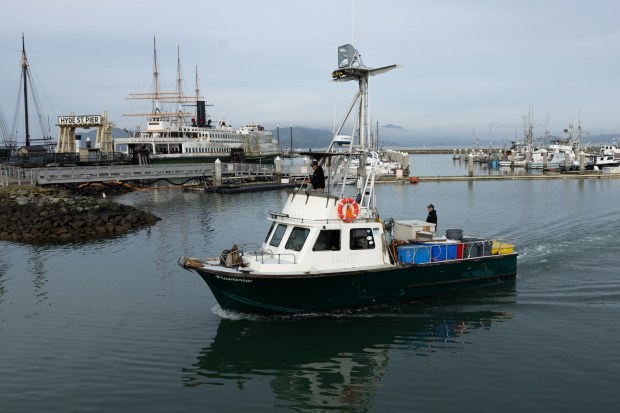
(37, 103)
(39, 82)
(14, 127)
(9, 48)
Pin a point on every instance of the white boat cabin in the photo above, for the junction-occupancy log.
(309, 236)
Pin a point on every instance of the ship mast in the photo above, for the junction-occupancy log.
(156, 108)
(197, 89)
(158, 97)
(25, 78)
(179, 86)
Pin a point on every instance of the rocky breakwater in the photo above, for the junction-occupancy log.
(52, 215)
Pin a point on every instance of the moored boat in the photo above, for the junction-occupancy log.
(608, 157)
(330, 251)
(173, 135)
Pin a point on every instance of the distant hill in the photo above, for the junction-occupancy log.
(394, 127)
(390, 136)
(92, 133)
(303, 138)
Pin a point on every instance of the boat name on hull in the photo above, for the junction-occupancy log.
(242, 280)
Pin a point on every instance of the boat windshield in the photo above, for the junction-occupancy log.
(328, 240)
(297, 239)
(277, 235)
(273, 224)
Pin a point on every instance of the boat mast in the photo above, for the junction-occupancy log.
(158, 98)
(197, 90)
(546, 135)
(363, 82)
(25, 79)
(156, 108)
(578, 148)
(351, 67)
(179, 86)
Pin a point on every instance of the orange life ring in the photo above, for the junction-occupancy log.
(348, 209)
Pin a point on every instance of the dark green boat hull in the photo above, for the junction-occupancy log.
(310, 293)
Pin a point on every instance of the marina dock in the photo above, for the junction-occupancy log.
(519, 177)
(238, 188)
(250, 175)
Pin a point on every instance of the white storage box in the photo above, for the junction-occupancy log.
(406, 230)
(423, 236)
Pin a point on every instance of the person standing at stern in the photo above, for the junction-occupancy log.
(432, 214)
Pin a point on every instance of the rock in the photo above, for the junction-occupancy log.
(54, 215)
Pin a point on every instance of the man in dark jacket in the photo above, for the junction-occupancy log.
(432, 215)
(318, 177)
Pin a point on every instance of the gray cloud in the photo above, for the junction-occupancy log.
(465, 65)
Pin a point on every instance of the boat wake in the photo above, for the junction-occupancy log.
(556, 251)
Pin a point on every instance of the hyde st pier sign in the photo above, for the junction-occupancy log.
(82, 120)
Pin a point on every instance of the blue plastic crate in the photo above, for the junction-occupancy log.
(410, 254)
(439, 252)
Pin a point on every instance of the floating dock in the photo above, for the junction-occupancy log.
(250, 187)
(570, 175)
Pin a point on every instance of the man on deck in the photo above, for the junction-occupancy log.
(318, 177)
(432, 215)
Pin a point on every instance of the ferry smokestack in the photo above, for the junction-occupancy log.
(201, 113)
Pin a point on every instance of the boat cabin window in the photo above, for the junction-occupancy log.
(361, 239)
(273, 224)
(297, 239)
(328, 240)
(277, 235)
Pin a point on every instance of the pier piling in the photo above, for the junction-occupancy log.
(218, 172)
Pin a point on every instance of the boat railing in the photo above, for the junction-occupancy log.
(447, 250)
(365, 217)
(259, 254)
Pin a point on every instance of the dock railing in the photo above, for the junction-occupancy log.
(13, 175)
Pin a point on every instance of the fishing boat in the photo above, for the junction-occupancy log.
(330, 251)
(608, 157)
(174, 135)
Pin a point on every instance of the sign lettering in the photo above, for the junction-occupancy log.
(84, 120)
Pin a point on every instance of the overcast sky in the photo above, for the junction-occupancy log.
(466, 65)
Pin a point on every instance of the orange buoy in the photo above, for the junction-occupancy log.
(348, 209)
(414, 179)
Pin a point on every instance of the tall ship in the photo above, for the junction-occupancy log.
(174, 135)
(32, 150)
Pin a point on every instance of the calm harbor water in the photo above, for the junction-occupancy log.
(116, 325)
